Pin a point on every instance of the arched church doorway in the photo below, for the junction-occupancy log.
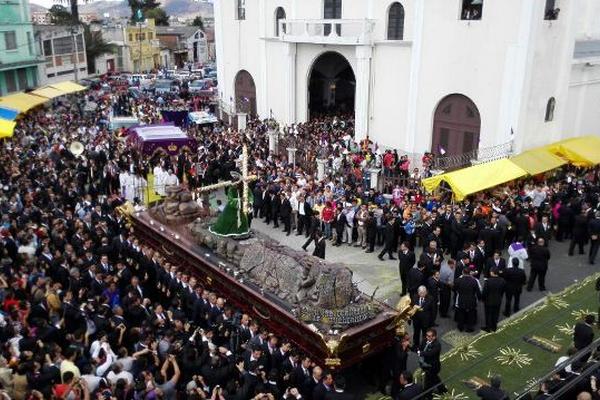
(331, 86)
(245, 93)
(456, 126)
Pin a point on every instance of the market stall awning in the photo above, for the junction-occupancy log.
(21, 101)
(48, 92)
(6, 128)
(581, 151)
(68, 87)
(474, 179)
(537, 161)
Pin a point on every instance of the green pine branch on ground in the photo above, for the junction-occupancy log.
(519, 362)
(508, 354)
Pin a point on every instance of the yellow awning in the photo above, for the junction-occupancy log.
(536, 161)
(581, 151)
(48, 92)
(21, 101)
(474, 179)
(68, 87)
(6, 128)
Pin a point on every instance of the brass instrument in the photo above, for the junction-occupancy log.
(77, 149)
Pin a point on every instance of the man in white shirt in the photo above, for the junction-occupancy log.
(171, 179)
(117, 373)
(159, 173)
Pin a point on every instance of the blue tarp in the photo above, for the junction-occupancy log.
(8, 113)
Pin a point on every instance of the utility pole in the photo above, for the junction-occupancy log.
(139, 16)
(140, 39)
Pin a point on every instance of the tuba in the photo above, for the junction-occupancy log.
(76, 148)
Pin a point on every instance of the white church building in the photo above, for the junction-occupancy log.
(419, 75)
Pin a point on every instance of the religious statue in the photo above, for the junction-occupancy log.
(233, 221)
(178, 207)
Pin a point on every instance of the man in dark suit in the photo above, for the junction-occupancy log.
(493, 391)
(538, 257)
(389, 235)
(267, 203)
(406, 262)
(434, 287)
(493, 290)
(301, 373)
(323, 387)
(320, 243)
(515, 278)
(430, 361)
(257, 203)
(456, 234)
(580, 233)
(339, 391)
(495, 262)
(422, 319)
(467, 294)
(410, 389)
(543, 230)
(583, 334)
(415, 278)
(285, 211)
(304, 215)
(594, 232)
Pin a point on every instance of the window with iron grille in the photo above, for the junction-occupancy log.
(47, 45)
(10, 40)
(63, 45)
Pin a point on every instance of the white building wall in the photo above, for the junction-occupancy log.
(509, 64)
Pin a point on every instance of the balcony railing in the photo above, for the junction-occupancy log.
(327, 31)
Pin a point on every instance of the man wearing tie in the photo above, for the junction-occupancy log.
(544, 230)
(422, 319)
(493, 290)
(407, 261)
(495, 262)
(301, 373)
(430, 356)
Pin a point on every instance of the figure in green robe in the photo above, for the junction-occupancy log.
(233, 222)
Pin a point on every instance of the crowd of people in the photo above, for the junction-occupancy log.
(88, 311)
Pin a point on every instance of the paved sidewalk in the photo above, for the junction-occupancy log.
(369, 272)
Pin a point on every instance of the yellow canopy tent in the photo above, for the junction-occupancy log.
(536, 161)
(474, 179)
(21, 101)
(582, 151)
(6, 128)
(48, 92)
(68, 87)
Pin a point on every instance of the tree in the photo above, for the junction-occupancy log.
(95, 46)
(143, 5)
(74, 6)
(59, 15)
(160, 16)
(198, 22)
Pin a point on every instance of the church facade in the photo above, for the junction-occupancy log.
(448, 76)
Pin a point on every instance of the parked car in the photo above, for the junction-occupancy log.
(164, 86)
(197, 85)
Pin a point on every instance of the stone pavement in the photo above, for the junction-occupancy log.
(370, 274)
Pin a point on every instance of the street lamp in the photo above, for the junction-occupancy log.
(74, 31)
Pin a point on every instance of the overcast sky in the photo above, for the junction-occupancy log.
(49, 3)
